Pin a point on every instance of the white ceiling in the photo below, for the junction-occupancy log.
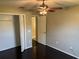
(29, 4)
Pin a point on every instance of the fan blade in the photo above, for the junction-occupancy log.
(41, 0)
(56, 8)
(50, 10)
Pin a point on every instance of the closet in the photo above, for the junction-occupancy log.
(10, 44)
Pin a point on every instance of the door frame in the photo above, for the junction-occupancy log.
(22, 32)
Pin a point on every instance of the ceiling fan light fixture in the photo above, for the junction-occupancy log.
(43, 9)
(44, 12)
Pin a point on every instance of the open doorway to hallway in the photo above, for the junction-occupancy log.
(39, 29)
(38, 36)
(34, 31)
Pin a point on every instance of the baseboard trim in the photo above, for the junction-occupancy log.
(60, 50)
(28, 47)
(64, 52)
(41, 43)
(9, 48)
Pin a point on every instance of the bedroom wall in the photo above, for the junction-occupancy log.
(41, 28)
(63, 30)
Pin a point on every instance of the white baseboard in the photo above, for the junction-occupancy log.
(42, 43)
(9, 48)
(28, 47)
(64, 52)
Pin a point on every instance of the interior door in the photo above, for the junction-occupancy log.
(25, 32)
(22, 32)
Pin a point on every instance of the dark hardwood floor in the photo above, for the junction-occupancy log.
(27, 54)
(55, 54)
(13, 53)
(38, 51)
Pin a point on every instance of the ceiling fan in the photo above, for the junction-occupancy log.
(43, 8)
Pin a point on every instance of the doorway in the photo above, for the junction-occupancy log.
(34, 31)
(34, 36)
(39, 29)
(38, 36)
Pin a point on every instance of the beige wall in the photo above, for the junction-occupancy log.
(33, 27)
(41, 24)
(11, 10)
(63, 30)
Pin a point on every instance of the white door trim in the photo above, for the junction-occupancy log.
(22, 32)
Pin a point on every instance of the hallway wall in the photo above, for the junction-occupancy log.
(63, 30)
(34, 28)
